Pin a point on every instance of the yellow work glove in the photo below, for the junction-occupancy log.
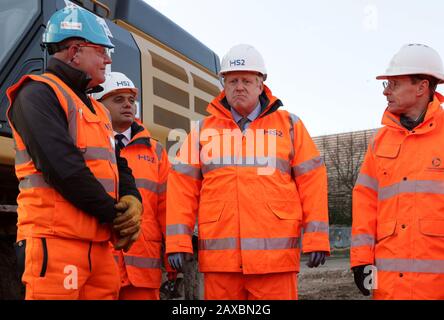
(125, 243)
(129, 218)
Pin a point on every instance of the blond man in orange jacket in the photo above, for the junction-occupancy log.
(140, 267)
(253, 179)
(398, 203)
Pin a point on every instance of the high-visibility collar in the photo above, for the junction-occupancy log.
(433, 109)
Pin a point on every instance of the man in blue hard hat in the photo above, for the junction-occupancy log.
(76, 193)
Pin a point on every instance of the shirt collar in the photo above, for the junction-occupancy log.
(252, 116)
(127, 134)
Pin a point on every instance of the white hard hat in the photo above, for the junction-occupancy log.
(243, 57)
(115, 81)
(415, 59)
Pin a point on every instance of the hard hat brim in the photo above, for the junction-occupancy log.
(438, 76)
(121, 90)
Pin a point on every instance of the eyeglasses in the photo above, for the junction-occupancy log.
(103, 51)
(390, 84)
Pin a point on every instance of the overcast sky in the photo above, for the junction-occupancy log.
(322, 56)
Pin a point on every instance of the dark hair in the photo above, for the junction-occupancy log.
(433, 82)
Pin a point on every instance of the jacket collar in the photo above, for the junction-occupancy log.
(139, 134)
(434, 108)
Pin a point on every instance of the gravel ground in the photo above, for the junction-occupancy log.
(332, 281)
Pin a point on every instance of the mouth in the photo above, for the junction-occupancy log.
(128, 114)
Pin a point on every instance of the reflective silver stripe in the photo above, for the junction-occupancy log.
(178, 229)
(72, 116)
(361, 240)
(161, 187)
(188, 170)
(269, 243)
(218, 244)
(151, 185)
(293, 120)
(219, 163)
(416, 186)
(96, 153)
(159, 149)
(116, 258)
(142, 262)
(33, 181)
(367, 181)
(307, 166)
(22, 157)
(316, 226)
(410, 265)
(108, 184)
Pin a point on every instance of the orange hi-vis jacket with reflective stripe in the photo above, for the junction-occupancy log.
(251, 193)
(398, 208)
(42, 211)
(148, 161)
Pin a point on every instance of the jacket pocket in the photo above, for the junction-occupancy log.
(385, 229)
(286, 210)
(210, 211)
(390, 151)
(432, 227)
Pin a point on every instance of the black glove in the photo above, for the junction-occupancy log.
(360, 276)
(316, 258)
(176, 260)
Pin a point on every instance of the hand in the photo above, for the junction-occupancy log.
(129, 219)
(176, 260)
(125, 243)
(360, 276)
(316, 258)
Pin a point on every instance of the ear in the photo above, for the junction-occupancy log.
(72, 54)
(423, 88)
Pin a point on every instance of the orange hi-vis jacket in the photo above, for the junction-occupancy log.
(398, 208)
(148, 161)
(42, 211)
(251, 193)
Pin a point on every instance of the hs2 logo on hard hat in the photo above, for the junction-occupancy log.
(123, 83)
(237, 62)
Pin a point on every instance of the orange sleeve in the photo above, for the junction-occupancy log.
(365, 202)
(183, 192)
(310, 175)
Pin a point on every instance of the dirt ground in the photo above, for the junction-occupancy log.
(332, 281)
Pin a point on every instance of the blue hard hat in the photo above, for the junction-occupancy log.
(76, 22)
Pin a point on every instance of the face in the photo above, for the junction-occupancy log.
(242, 90)
(402, 95)
(92, 59)
(122, 107)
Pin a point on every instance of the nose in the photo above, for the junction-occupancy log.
(107, 59)
(239, 86)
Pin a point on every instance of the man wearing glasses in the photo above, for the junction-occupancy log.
(398, 199)
(70, 178)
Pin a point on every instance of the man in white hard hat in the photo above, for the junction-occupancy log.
(249, 220)
(398, 199)
(140, 267)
